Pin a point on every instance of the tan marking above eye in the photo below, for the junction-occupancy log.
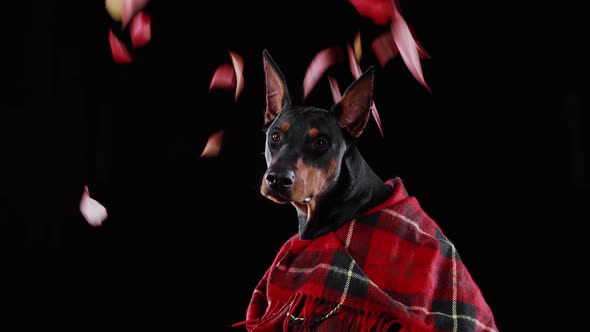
(313, 132)
(285, 126)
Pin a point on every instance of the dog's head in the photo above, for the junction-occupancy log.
(305, 146)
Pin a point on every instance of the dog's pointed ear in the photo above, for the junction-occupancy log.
(355, 105)
(277, 95)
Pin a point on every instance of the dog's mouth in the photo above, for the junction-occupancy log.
(277, 197)
(284, 198)
(284, 195)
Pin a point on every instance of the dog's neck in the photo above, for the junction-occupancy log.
(357, 190)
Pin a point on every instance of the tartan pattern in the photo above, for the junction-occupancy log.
(392, 266)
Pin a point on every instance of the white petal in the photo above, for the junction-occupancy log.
(94, 212)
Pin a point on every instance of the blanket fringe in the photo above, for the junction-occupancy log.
(307, 313)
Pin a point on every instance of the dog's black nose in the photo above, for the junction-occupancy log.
(280, 180)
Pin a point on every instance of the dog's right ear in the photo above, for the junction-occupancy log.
(277, 95)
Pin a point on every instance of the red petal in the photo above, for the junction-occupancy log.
(118, 49)
(318, 66)
(223, 78)
(407, 47)
(213, 145)
(238, 63)
(130, 8)
(141, 31)
(384, 48)
(335, 89)
(94, 212)
(379, 11)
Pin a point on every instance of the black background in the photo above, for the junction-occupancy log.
(495, 154)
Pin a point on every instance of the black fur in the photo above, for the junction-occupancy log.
(354, 187)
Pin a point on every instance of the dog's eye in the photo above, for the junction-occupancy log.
(320, 144)
(275, 137)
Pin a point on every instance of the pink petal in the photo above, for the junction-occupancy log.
(318, 66)
(114, 8)
(141, 31)
(118, 49)
(377, 118)
(335, 89)
(130, 8)
(421, 52)
(384, 48)
(358, 49)
(379, 11)
(213, 145)
(355, 68)
(238, 63)
(223, 78)
(93, 211)
(407, 47)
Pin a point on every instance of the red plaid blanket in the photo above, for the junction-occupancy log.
(391, 268)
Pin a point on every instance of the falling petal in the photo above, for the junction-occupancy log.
(223, 78)
(94, 212)
(355, 68)
(238, 63)
(377, 118)
(130, 8)
(318, 66)
(421, 52)
(114, 8)
(384, 48)
(407, 47)
(141, 31)
(379, 11)
(335, 89)
(358, 49)
(213, 145)
(118, 49)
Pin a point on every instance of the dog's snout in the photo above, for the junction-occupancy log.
(280, 179)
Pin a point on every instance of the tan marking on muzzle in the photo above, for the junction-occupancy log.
(266, 191)
(311, 181)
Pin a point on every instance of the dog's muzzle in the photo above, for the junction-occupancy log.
(280, 180)
(278, 184)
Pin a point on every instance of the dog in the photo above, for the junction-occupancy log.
(366, 256)
(312, 160)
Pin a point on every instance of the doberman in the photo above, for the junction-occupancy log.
(312, 160)
(366, 257)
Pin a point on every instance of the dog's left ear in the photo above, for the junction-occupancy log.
(277, 95)
(356, 103)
